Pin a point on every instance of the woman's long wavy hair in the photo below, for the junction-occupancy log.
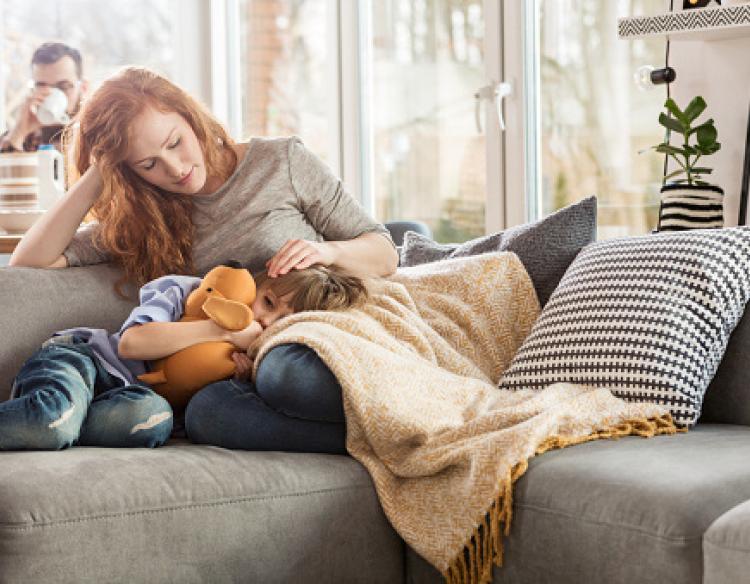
(144, 229)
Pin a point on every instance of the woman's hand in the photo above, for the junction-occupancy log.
(243, 338)
(244, 366)
(298, 254)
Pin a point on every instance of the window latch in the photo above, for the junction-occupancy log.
(493, 93)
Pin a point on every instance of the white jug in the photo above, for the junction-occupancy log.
(51, 175)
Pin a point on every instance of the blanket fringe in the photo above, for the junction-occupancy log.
(473, 565)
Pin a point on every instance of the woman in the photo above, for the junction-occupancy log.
(171, 192)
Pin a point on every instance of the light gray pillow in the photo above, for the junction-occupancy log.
(546, 247)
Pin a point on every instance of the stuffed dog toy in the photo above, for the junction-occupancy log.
(225, 295)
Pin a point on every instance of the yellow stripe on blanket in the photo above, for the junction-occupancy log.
(419, 366)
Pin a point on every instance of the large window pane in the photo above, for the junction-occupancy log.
(287, 80)
(107, 34)
(594, 119)
(426, 62)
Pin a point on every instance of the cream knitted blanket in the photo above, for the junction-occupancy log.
(419, 366)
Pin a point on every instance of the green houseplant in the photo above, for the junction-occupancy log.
(687, 200)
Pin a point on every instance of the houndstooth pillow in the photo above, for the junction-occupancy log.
(648, 317)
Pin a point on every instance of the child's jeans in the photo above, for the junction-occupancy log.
(295, 405)
(64, 396)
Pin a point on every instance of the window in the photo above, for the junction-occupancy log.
(592, 120)
(288, 79)
(425, 59)
(93, 27)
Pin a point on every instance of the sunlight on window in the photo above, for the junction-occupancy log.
(594, 119)
(104, 41)
(286, 83)
(427, 61)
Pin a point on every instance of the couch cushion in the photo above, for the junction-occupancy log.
(187, 513)
(628, 510)
(726, 547)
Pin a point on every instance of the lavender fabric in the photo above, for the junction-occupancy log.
(546, 247)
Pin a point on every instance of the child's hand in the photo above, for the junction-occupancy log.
(244, 366)
(242, 339)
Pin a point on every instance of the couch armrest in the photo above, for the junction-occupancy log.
(35, 302)
(726, 547)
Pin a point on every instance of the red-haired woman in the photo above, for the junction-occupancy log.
(172, 193)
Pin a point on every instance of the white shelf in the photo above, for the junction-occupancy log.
(698, 24)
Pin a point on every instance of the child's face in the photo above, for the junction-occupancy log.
(268, 307)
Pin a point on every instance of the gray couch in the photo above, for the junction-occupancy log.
(667, 509)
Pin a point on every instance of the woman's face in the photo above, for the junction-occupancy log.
(164, 151)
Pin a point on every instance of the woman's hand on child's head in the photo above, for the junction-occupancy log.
(244, 366)
(243, 338)
(298, 254)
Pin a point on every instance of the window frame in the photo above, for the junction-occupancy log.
(521, 144)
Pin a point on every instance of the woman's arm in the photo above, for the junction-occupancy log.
(354, 241)
(155, 340)
(370, 254)
(43, 244)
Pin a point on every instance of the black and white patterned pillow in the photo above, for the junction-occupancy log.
(647, 317)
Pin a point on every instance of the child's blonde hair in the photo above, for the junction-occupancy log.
(317, 288)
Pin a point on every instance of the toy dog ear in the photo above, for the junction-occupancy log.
(232, 264)
(228, 314)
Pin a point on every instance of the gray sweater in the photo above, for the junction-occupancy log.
(279, 191)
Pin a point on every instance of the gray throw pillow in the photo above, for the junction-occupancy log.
(546, 247)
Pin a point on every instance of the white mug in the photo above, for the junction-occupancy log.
(53, 110)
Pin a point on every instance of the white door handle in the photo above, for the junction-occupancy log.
(493, 93)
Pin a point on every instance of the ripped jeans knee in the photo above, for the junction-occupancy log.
(63, 396)
(127, 417)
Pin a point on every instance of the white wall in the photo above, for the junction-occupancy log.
(720, 72)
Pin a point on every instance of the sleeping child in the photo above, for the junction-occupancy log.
(81, 387)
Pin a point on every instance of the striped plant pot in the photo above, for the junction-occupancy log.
(691, 207)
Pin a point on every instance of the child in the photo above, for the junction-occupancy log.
(295, 402)
(81, 388)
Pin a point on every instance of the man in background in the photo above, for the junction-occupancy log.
(52, 65)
